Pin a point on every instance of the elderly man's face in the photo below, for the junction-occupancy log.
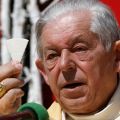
(78, 69)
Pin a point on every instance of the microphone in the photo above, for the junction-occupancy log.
(28, 111)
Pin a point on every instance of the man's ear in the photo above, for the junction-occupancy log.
(117, 50)
(41, 69)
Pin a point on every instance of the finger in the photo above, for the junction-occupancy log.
(10, 83)
(10, 102)
(10, 69)
(13, 94)
(9, 109)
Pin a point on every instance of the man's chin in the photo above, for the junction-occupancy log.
(74, 106)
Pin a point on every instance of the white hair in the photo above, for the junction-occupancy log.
(103, 22)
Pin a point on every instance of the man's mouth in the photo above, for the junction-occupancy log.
(74, 89)
(73, 85)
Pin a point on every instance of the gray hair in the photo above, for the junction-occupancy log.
(103, 22)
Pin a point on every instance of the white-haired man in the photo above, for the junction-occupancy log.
(79, 47)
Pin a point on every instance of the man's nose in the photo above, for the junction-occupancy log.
(67, 63)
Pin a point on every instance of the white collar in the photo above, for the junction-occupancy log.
(110, 112)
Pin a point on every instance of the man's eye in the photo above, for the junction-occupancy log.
(80, 49)
(51, 56)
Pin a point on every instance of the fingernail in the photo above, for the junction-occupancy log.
(18, 66)
(15, 62)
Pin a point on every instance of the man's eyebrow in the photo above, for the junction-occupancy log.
(49, 48)
(77, 39)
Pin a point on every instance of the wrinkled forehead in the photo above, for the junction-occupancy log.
(75, 16)
(67, 24)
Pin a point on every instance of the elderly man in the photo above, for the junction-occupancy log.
(79, 47)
